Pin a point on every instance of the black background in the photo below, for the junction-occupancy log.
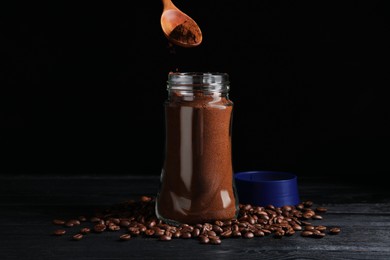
(83, 85)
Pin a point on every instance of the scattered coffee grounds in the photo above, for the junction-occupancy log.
(137, 219)
(197, 182)
(186, 32)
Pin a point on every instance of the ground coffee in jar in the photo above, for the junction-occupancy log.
(197, 182)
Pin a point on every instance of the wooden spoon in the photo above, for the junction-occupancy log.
(178, 27)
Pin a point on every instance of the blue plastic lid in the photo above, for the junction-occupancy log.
(263, 188)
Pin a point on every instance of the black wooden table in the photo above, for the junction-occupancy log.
(29, 204)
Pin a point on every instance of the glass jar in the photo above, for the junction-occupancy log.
(196, 184)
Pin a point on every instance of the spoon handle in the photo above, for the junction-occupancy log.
(168, 5)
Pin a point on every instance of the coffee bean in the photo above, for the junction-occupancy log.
(114, 227)
(99, 228)
(215, 241)
(290, 232)
(159, 232)
(243, 224)
(297, 221)
(279, 234)
(226, 234)
(142, 228)
(187, 229)
(217, 229)
(125, 237)
(195, 232)
(321, 228)
(316, 217)
(235, 228)
(306, 233)
(266, 231)
(82, 218)
(211, 233)
(319, 235)
(75, 222)
(264, 216)
(236, 234)
(58, 222)
(165, 238)
(247, 207)
(334, 230)
(244, 217)
(309, 227)
(186, 235)
(124, 223)
(69, 224)
(249, 235)
(116, 221)
(77, 237)
(171, 229)
(219, 223)
(85, 230)
(59, 232)
(316, 232)
(204, 240)
(244, 230)
(149, 232)
(259, 233)
(297, 227)
(308, 204)
(145, 198)
(321, 209)
(253, 220)
(151, 224)
(94, 219)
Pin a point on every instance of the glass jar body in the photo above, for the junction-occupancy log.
(197, 184)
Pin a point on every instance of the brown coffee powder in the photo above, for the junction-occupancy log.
(186, 32)
(197, 179)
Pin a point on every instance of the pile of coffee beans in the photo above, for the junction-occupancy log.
(138, 219)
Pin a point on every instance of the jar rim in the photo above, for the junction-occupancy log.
(199, 80)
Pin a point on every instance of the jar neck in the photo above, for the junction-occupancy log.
(202, 96)
(198, 83)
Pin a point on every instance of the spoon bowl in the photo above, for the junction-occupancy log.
(178, 27)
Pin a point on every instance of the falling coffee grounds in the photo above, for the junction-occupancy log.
(136, 219)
